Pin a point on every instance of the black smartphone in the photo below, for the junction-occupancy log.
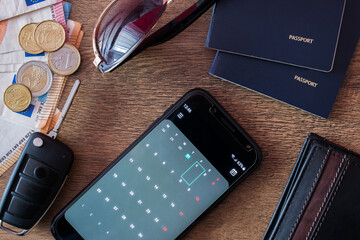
(167, 180)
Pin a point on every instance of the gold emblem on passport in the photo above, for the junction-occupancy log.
(17, 97)
(27, 40)
(305, 81)
(49, 35)
(301, 39)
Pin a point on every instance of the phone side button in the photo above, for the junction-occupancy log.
(168, 110)
(152, 125)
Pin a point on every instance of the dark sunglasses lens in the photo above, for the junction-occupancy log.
(124, 26)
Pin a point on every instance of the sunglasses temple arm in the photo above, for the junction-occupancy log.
(174, 27)
(180, 23)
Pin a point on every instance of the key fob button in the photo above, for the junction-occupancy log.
(22, 208)
(32, 191)
(40, 171)
(38, 142)
(37, 178)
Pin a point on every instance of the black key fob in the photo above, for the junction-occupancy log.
(35, 181)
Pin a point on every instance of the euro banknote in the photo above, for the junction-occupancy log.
(14, 133)
(5, 68)
(9, 29)
(13, 8)
(12, 61)
(13, 137)
(67, 10)
(20, 57)
(31, 116)
(41, 108)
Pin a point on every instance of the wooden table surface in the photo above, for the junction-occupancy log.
(110, 111)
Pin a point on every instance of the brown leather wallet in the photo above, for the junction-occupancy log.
(322, 197)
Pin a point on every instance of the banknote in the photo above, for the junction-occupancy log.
(12, 8)
(13, 134)
(20, 57)
(31, 116)
(42, 107)
(9, 29)
(73, 29)
(79, 39)
(12, 144)
(67, 10)
(12, 137)
(12, 61)
(15, 130)
(6, 68)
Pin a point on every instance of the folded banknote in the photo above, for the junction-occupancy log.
(67, 10)
(41, 108)
(5, 68)
(20, 57)
(13, 8)
(12, 61)
(9, 29)
(16, 128)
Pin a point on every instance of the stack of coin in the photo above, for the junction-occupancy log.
(34, 78)
(27, 40)
(47, 36)
(64, 59)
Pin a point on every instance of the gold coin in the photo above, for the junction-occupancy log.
(65, 61)
(17, 97)
(27, 40)
(49, 35)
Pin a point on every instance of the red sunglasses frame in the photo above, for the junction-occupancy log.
(165, 33)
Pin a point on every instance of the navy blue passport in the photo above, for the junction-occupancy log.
(297, 32)
(307, 89)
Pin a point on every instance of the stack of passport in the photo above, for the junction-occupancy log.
(295, 51)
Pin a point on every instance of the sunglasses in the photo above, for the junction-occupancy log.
(123, 28)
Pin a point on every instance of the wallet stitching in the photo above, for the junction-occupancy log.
(332, 198)
(310, 193)
(310, 153)
(327, 195)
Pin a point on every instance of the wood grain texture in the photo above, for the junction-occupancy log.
(110, 111)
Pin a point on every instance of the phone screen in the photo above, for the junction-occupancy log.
(168, 179)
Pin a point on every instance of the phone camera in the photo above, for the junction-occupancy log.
(213, 110)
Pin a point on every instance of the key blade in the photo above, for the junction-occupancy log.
(53, 132)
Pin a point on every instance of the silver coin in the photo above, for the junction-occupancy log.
(37, 76)
(65, 61)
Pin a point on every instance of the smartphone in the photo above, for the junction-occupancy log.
(167, 180)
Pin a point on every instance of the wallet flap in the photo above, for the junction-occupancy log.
(341, 217)
(319, 175)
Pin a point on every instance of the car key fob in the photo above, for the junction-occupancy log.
(35, 181)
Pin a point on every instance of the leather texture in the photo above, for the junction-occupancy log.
(322, 197)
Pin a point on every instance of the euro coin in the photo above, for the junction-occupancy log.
(36, 76)
(49, 35)
(27, 40)
(17, 97)
(65, 61)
